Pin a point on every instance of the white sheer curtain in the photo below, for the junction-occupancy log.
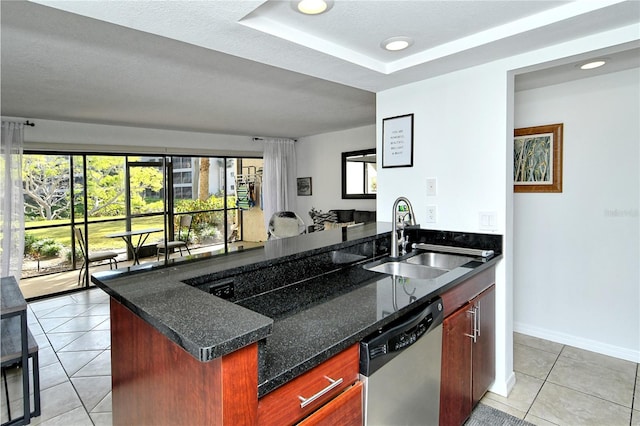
(279, 177)
(11, 202)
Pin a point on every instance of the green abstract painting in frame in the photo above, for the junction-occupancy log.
(537, 159)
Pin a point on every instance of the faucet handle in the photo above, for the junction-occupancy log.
(403, 242)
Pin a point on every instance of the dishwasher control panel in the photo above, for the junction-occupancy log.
(383, 345)
(409, 337)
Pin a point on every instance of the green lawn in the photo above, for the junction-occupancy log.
(97, 232)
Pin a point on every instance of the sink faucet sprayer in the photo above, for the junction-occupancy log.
(399, 224)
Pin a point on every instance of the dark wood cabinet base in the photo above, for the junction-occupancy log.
(468, 347)
(156, 382)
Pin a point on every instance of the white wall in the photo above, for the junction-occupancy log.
(461, 123)
(463, 136)
(319, 157)
(450, 144)
(576, 254)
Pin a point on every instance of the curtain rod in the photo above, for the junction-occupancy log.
(26, 123)
(261, 139)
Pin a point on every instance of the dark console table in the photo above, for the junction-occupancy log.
(18, 345)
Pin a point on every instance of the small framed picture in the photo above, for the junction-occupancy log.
(397, 141)
(304, 186)
(537, 159)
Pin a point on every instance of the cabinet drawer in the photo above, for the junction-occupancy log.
(284, 406)
(344, 410)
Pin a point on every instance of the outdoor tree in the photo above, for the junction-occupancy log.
(46, 181)
(106, 185)
(203, 187)
(46, 186)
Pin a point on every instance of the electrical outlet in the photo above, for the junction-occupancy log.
(432, 212)
(223, 289)
(432, 185)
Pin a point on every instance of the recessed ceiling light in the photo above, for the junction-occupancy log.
(396, 43)
(312, 7)
(593, 64)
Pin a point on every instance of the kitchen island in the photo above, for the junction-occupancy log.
(208, 340)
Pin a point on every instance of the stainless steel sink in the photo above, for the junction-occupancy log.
(439, 260)
(404, 269)
(421, 266)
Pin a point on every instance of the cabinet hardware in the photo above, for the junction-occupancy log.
(332, 385)
(474, 336)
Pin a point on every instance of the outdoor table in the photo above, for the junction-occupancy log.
(127, 236)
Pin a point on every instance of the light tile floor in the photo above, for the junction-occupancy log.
(73, 335)
(562, 385)
(556, 384)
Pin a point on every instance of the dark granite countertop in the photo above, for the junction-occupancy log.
(206, 326)
(316, 319)
(11, 297)
(298, 324)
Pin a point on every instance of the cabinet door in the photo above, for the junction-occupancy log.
(344, 410)
(455, 388)
(484, 368)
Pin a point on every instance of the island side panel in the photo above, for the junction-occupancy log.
(157, 382)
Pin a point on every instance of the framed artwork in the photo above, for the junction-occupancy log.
(397, 141)
(304, 186)
(537, 159)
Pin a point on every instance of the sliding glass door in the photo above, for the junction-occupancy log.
(105, 196)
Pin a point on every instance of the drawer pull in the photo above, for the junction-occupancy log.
(332, 385)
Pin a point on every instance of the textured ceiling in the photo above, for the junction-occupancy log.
(260, 68)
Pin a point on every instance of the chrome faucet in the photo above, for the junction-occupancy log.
(399, 221)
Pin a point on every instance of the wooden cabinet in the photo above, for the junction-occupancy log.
(345, 409)
(484, 349)
(155, 381)
(455, 385)
(468, 357)
(314, 389)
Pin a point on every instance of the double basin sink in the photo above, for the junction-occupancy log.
(421, 266)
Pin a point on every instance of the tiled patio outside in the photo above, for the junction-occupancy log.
(52, 284)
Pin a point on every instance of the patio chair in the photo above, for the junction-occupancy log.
(182, 239)
(98, 256)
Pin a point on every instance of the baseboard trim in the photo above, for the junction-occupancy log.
(578, 342)
(504, 388)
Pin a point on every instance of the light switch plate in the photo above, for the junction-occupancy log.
(432, 187)
(488, 221)
(432, 214)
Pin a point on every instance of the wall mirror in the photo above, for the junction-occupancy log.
(359, 174)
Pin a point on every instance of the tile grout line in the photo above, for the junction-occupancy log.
(579, 391)
(74, 386)
(592, 395)
(75, 390)
(544, 382)
(633, 396)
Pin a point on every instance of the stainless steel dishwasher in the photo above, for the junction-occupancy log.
(400, 366)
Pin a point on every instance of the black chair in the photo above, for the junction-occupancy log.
(182, 239)
(88, 258)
